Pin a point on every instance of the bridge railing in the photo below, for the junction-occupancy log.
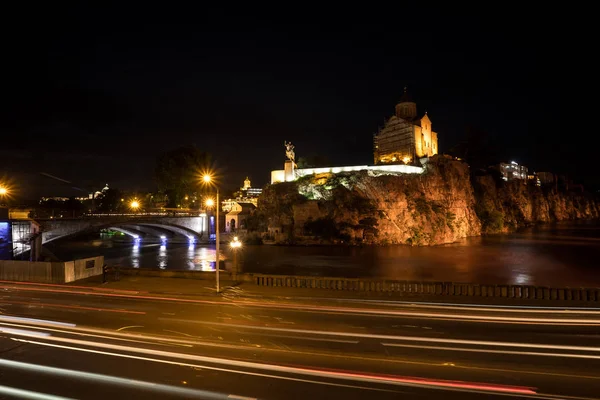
(142, 214)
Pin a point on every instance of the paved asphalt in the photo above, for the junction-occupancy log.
(61, 342)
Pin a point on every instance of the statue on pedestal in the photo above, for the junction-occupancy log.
(289, 151)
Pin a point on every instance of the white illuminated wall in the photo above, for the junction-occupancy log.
(278, 175)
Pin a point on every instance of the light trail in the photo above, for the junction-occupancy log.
(129, 337)
(344, 375)
(433, 304)
(35, 321)
(15, 284)
(22, 332)
(393, 337)
(458, 306)
(28, 394)
(521, 353)
(51, 305)
(497, 308)
(100, 378)
(337, 309)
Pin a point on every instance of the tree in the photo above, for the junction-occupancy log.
(178, 172)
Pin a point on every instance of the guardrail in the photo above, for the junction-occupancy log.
(429, 288)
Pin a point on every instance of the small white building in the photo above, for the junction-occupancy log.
(235, 219)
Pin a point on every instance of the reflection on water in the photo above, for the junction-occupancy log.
(135, 254)
(559, 255)
(162, 256)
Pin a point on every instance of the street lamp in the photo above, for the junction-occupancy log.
(134, 205)
(3, 194)
(235, 245)
(208, 179)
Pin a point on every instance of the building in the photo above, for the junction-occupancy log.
(235, 219)
(547, 178)
(246, 194)
(534, 179)
(59, 199)
(511, 171)
(405, 138)
(247, 191)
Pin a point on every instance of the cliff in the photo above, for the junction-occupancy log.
(442, 205)
(507, 206)
(363, 207)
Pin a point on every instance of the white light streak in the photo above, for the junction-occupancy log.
(28, 394)
(9, 318)
(100, 378)
(401, 338)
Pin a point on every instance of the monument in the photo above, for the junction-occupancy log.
(290, 164)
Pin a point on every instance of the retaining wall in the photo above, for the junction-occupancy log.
(50, 272)
(429, 288)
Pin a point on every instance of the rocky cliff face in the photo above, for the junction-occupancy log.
(361, 207)
(508, 206)
(442, 205)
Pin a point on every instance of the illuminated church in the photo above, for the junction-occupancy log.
(405, 138)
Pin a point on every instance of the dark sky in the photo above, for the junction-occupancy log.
(94, 94)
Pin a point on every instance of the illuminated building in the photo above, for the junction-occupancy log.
(235, 219)
(405, 138)
(246, 195)
(511, 171)
(247, 191)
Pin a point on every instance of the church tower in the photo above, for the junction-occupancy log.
(406, 108)
(246, 184)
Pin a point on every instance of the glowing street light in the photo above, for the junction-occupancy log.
(134, 205)
(235, 243)
(4, 194)
(208, 180)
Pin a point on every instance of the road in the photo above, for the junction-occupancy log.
(61, 342)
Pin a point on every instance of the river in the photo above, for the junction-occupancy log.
(552, 255)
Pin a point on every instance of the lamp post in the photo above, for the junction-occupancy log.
(209, 180)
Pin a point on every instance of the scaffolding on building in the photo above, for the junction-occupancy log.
(395, 142)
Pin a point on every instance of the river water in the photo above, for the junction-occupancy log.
(552, 255)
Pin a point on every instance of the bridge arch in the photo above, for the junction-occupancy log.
(189, 227)
(126, 231)
(179, 230)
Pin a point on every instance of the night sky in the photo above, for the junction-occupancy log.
(94, 94)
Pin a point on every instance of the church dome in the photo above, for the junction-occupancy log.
(406, 97)
(406, 108)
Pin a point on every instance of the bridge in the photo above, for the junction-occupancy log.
(135, 225)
